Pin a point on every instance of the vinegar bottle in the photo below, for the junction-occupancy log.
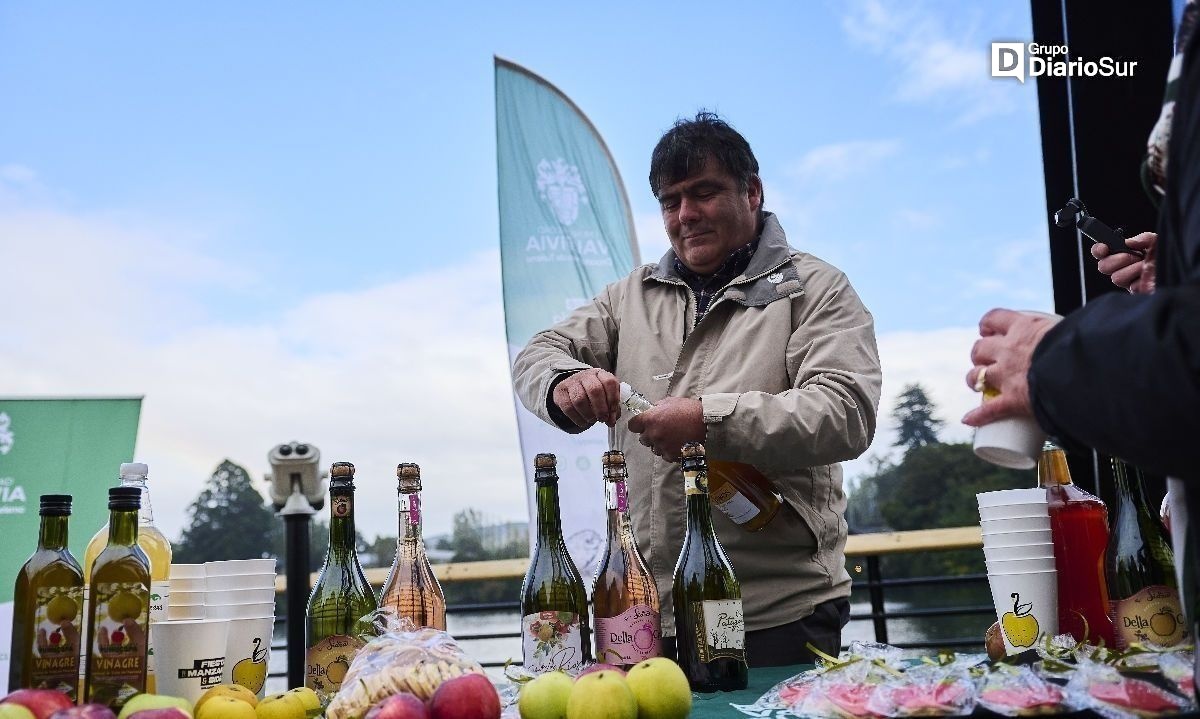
(739, 490)
(1079, 524)
(411, 590)
(624, 596)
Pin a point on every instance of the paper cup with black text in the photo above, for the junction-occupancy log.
(189, 656)
(1026, 606)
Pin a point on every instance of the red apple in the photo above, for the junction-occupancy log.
(398, 706)
(86, 711)
(470, 696)
(40, 702)
(602, 667)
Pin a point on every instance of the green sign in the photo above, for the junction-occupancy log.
(58, 446)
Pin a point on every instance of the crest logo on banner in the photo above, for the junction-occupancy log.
(560, 185)
(6, 433)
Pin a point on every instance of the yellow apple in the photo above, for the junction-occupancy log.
(225, 708)
(281, 706)
(661, 689)
(601, 695)
(546, 697)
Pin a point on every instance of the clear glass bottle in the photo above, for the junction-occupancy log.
(47, 609)
(119, 608)
(740, 491)
(710, 628)
(1141, 569)
(411, 590)
(624, 596)
(1079, 524)
(555, 632)
(342, 601)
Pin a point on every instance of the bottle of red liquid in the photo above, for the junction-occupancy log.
(1079, 523)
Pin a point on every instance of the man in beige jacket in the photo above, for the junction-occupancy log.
(763, 353)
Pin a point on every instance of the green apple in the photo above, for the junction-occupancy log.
(142, 702)
(12, 710)
(661, 689)
(602, 695)
(546, 696)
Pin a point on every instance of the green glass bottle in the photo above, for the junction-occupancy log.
(342, 600)
(47, 603)
(1140, 568)
(119, 608)
(710, 629)
(555, 631)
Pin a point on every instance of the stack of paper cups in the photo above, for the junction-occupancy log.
(1019, 551)
(241, 592)
(187, 592)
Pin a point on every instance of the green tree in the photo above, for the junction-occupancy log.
(467, 537)
(916, 424)
(229, 520)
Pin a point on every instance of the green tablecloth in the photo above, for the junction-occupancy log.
(707, 706)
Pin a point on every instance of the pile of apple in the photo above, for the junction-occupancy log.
(654, 689)
(470, 696)
(227, 701)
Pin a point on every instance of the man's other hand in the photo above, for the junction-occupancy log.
(588, 397)
(1130, 272)
(673, 422)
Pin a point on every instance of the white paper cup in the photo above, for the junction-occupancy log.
(1034, 495)
(240, 611)
(187, 571)
(248, 653)
(1016, 539)
(241, 596)
(240, 566)
(185, 611)
(221, 582)
(189, 585)
(1009, 511)
(178, 597)
(1026, 607)
(1015, 524)
(1020, 566)
(1012, 442)
(1019, 551)
(189, 656)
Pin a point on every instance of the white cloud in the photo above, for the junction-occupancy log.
(841, 161)
(916, 220)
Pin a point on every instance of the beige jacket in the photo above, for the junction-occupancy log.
(786, 367)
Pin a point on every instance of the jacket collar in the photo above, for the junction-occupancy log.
(772, 252)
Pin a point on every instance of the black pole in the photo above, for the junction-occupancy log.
(297, 564)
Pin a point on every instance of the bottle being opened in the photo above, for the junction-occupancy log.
(710, 629)
(555, 631)
(739, 490)
(624, 596)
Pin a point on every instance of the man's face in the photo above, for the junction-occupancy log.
(707, 216)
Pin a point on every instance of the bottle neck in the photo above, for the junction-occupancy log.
(123, 527)
(410, 516)
(617, 499)
(145, 512)
(53, 533)
(699, 510)
(1130, 491)
(341, 525)
(549, 527)
(1052, 468)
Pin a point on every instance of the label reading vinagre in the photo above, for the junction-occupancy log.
(551, 640)
(328, 661)
(57, 620)
(734, 504)
(117, 658)
(720, 629)
(629, 637)
(1153, 616)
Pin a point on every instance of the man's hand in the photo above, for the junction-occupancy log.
(1004, 353)
(589, 396)
(1130, 272)
(673, 422)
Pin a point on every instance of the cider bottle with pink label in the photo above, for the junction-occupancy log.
(624, 596)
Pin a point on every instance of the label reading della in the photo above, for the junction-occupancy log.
(720, 629)
(733, 504)
(630, 637)
(551, 640)
(328, 661)
(57, 619)
(1153, 616)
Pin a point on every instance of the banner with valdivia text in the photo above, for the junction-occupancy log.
(56, 446)
(566, 231)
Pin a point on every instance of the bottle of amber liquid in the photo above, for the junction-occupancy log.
(119, 608)
(1079, 524)
(739, 490)
(1141, 569)
(624, 596)
(411, 591)
(710, 628)
(47, 609)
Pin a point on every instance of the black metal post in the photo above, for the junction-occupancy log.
(297, 564)
(875, 589)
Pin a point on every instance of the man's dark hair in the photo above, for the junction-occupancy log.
(684, 149)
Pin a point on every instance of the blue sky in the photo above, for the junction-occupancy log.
(279, 221)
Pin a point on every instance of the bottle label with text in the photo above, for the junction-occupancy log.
(1153, 616)
(57, 619)
(328, 661)
(410, 509)
(695, 483)
(734, 504)
(551, 640)
(631, 637)
(720, 629)
(119, 638)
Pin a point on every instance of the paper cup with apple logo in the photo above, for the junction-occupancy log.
(247, 653)
(1026, 607)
